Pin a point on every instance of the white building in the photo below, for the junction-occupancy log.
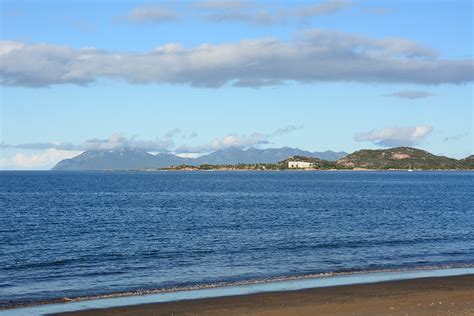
(299, 164)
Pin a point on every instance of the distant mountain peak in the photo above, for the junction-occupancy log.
(117, 159)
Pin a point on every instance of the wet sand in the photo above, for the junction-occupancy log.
(425, 296)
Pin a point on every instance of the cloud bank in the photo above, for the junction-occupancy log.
(229, 141)
(395, 136)
(50, 153)
(42, 160)
(238, 141)
(312, 56)
(164, 144)
(114, 142)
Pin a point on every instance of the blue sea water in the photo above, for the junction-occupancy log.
(74, 234)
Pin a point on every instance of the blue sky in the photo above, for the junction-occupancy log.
(193, 77)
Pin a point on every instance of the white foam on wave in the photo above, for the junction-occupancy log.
(238, 288)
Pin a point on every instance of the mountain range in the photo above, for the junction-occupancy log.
(132, 159)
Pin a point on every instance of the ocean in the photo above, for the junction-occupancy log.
(88, 234)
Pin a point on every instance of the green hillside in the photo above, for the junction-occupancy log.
(468, 162)
(399, 158)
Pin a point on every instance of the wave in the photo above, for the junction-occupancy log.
(224, 284)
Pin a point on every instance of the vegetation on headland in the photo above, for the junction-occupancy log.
(400, 158)
(468, 162)
(207, 167)
(317, 164)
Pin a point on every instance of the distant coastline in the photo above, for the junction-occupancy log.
(395, 159)
(287, 170)
(399, 158)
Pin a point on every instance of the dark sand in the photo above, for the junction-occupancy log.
(426, 296)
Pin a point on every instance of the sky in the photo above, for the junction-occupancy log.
(192, 77)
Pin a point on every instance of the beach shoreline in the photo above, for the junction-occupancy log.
(451, 295)
(454, 278)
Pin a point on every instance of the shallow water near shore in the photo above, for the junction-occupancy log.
(232, 290)
(89, 234)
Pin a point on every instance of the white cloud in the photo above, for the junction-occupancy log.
(395, 136)
(155, 14)
(319, 9)
(313, 56)
(252, 12)
(353, 45)
(260, 13)
(8, 46)
(43, 160)
(50, 153)
(116, 141)
(188, 155)
(163, 144)
(409, 94)
(221, 4)
(285, 130)
(229, 141)
(238, 141)
(256, 18)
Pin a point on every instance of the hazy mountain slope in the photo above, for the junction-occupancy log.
(125, 159)
(329, 155)
(254, 155)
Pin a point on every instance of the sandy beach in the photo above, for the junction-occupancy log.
(425, 296)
